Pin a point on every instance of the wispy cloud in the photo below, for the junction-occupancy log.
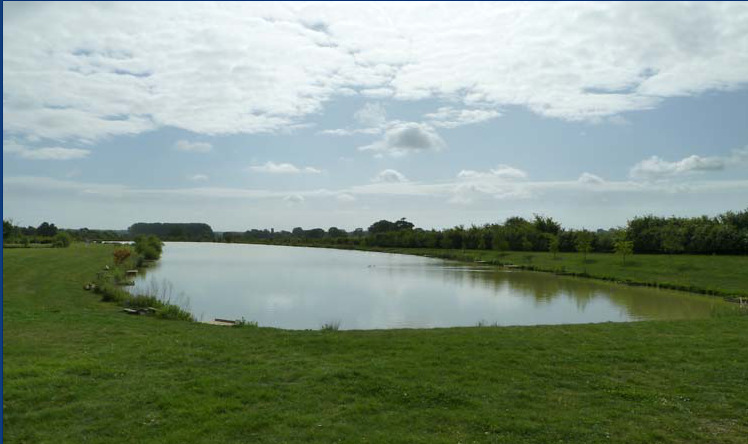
(43, 153)
(448, 117)
(196, 147)
(283, 168)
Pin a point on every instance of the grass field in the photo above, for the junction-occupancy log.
(721, 275)
(78, 370)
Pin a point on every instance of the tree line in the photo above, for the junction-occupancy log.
(726, 233)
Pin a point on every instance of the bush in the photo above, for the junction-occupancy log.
(149, 247)
(62, 240)
(121, 255)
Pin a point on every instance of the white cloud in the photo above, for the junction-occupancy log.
(501, 172)
(371, 115)
(389, 176)
(589, 178)
(345, 198)
(448, 117)
(294, 199)
(197, 147)
(402, 138)
(44, 153)
(283, 168)
(350, 132)
(656, 168)
(199, 177)
(259, 67)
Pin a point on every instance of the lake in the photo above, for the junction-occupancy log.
(304, 288)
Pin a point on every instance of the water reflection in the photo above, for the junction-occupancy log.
(302, 288)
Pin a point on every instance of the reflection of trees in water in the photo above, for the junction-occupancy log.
(638, 302)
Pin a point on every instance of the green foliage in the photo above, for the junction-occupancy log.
(150, 247)
(173, 231)
(583, 243)
(62, 240)
(553, 245)
(330, 326)
(624, 248)
(245, 323)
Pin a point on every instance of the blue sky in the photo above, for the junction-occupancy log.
(292, 114)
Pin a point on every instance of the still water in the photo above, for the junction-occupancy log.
(303, 288)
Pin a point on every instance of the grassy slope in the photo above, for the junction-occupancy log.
(75, 370)
(726, 275)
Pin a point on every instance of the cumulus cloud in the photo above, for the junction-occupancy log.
(197, 147)
(589, 178)
(402, 138)
(259, 67)
(371, 115)
(656, 168)
(389, 176)
(283, 168)
(502, 172)
(448, 117)
(43, 153)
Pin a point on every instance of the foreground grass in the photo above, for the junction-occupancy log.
(718, 275)
(77, 370)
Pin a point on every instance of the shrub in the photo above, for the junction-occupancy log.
(121, 255)
(62, 240)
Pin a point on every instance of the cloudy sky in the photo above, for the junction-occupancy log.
(307, 114)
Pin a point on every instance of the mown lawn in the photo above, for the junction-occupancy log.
(78, 370)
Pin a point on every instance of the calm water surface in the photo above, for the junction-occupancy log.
(303, 288)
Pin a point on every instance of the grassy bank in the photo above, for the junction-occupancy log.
(76, 369)
(716, 275)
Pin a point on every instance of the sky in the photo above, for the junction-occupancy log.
(259, 115)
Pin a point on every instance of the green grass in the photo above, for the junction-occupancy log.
(719, 275)
(78, 370)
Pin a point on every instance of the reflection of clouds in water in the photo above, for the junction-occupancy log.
(304, 288)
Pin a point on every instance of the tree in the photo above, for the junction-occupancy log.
(7, 229)
(624, 248)
(672, 241)
(46, 229)
(584, 244)
(553, 244)
(336, 232)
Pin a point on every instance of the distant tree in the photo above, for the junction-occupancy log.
(336, 232)
(46, 229)
(526, 244)
(298, 232)
(546, 225)
(7, 229)
(553, 244)
(624, 248)
(403, 224)
(62, 240)
(584, 244)
(672, 241)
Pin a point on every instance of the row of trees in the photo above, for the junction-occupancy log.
(195, 232)
(45, 233)
(724, 234)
